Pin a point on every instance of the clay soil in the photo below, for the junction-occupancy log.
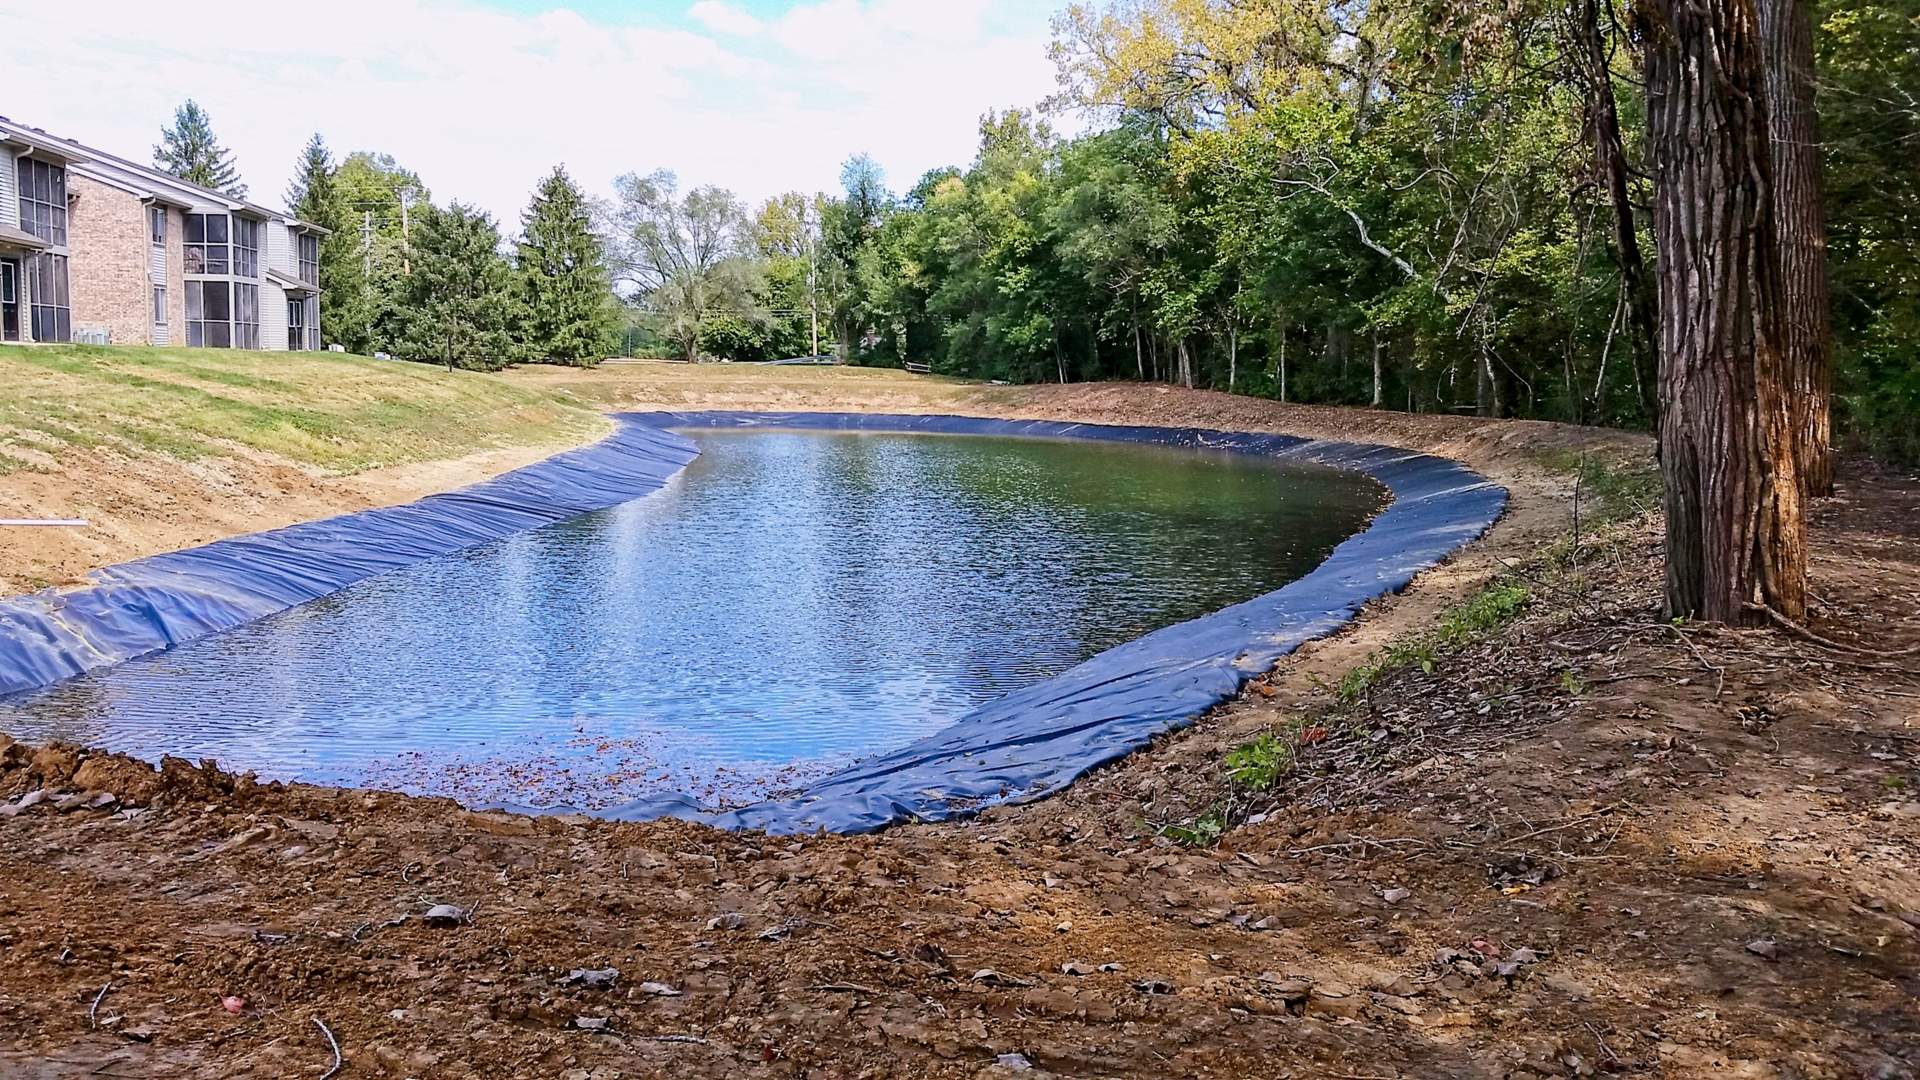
(1585, 842)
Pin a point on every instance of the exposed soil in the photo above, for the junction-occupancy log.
(1589, 842)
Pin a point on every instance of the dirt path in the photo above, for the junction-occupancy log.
(1584, 843)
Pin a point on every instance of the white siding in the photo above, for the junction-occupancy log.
(9, 200)
(157, 263)
(273, 316)
(280, 254)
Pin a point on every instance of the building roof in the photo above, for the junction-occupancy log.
(20, 238)
(150, 182)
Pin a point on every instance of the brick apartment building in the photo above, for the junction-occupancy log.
(96, 248)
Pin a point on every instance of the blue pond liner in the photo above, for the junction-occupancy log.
(1023, 746)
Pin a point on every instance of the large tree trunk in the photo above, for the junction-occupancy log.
(1735, 536)
(1610, 159)
(1186, 365)
(1800, 224)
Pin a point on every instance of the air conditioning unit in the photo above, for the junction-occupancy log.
(92, 335)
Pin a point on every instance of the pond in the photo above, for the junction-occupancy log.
(792, 601)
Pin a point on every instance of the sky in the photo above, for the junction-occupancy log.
(483, 97)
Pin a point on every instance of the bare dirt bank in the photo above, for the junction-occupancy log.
(1586, 842)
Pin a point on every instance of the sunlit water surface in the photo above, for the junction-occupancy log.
(791, 602)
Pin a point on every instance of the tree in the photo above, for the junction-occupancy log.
(366, 260)
(1735, 535)
(1800, 227)
(688, 258)
(310, 194)
(455, 305)
(566, 299)
(189, 151)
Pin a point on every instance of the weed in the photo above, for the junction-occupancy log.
(1202, 831)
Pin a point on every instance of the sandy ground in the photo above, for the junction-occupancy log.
(1593, 843)
(139, 506)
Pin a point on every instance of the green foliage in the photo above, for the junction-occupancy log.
(189, 151)
(1259, 765)
(568, 314)
(1868, 59)
(456, 305)
(689, 258)
(1203, 832)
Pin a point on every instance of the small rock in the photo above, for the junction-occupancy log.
(592, 978)
(1395, 895)
(444, 915)
(658, 989)
(732, 920)
(1156, 987)
(1075, 967)
(590, 1023)
(990, 977)
(1764, 947)
(1015, 1062)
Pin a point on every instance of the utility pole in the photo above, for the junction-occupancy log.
(406, 235)
(807, 221)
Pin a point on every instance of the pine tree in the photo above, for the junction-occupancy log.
(310, 193)
(568, 314)
(189, 151)
(456, 305)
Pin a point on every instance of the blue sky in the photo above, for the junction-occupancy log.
(481, 97)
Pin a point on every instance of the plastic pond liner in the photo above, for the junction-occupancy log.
(1023, 746)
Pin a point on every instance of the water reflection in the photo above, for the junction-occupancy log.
(792, 601)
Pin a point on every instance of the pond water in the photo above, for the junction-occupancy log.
(790, 602)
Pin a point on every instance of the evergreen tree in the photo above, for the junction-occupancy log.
(189, 151)
(456, 304)
(315, 196)
(310, 194)
(567, 307)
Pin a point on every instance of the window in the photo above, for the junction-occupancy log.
(206, 249)
(159, 305)
(246, 316)
(209, 314)
(43, 199)
(246, 248)
(157, 225)
(52, 310)
(310, 258)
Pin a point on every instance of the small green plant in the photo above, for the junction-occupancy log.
(1260, 764)
(1572, 683)
(1202, 831)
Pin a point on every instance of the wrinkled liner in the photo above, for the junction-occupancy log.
(1034, 742)
(1024, 746)
(155, 603)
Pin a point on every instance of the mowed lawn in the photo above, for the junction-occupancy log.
(335, 413)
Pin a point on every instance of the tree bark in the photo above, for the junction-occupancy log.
(1377, 389)
(1610, 158)
(1186, 365)
(1800, 227)
(1735, 535)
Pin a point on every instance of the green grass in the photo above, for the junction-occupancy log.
(331, 412)
(1612, 488)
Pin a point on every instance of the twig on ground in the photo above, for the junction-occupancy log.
(93, 1010)
(339, 1060)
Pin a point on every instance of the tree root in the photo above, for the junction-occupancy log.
(1805, 634)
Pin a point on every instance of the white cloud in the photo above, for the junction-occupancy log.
(481, 102)
(723, 18)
